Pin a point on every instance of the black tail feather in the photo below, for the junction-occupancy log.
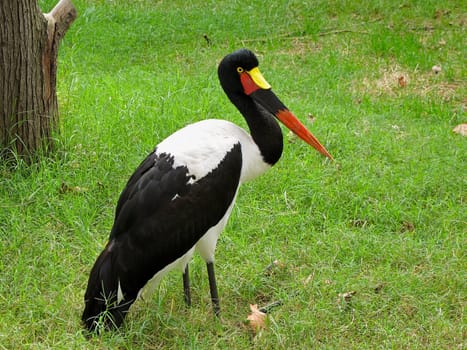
(102, 307)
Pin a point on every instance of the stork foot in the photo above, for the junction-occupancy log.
(186, 286)
(213, 289)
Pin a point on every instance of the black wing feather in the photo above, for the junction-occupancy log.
(160, 215)
(145, 165)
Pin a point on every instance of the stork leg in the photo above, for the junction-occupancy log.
(186, 286)
(213, 288)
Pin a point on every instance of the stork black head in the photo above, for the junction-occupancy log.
(241, 78)
(242, 59)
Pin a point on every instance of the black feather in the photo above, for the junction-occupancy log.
(160, 215)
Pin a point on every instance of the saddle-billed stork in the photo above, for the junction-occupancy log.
(180, 197)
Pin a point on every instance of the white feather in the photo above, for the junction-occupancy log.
(120, 296)
(152, 284)
(203, 145)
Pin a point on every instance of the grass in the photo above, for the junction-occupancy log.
(385, 223)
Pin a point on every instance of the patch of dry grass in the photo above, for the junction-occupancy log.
(394, 80)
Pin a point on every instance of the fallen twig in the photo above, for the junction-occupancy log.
(289, 36)
(267, 308)
(339, 31)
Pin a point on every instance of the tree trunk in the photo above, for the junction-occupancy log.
(29, 43)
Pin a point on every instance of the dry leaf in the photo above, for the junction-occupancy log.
(359, 223)
(344, 299)
(275, 264)
(436, 69)
(419, 268)
(402, 81)
(311, 118)
(279, 264)
(257, 318)
(347, 296)
(461, 129)
(407, 226)
(442, 13)
(65, 188)
(309, 279)
(378, 288)
(291, 137)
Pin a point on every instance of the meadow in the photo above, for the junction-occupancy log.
(366, 252)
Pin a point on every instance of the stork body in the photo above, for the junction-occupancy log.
(180, 197)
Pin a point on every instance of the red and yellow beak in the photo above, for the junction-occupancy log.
(258, 88)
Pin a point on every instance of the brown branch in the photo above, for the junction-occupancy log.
(58, 21)
(339, 31)
(279, 36)
(289, 35)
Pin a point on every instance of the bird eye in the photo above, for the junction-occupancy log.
(240, 69)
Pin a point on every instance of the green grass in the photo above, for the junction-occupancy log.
(387, 220)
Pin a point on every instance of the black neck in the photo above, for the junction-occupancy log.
(264, 128)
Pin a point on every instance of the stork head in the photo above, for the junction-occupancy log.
(239, 75)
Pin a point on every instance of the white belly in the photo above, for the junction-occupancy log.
(180, 264)
(206, 246)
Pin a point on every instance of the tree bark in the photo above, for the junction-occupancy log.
(29, 43)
